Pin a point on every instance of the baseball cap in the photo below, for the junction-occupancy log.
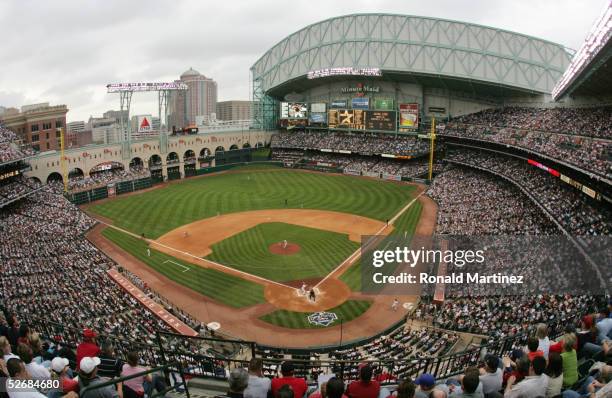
(89, 333)
(516, 354)
(58, 364)
(425, 380)
(88, 364)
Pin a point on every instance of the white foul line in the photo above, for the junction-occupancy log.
(185, 269)
(230, 269)
(357, 252)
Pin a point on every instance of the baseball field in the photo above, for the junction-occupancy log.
(248, 239)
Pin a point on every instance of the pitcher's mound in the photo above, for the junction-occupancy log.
(277, 248)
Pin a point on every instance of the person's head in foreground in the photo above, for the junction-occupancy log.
(334, 388)
(406, 389)
(285, 391)
(426, 382)
(238, 380)
(287, 369)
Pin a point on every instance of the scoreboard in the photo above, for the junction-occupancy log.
(358, 119)
(380, 120)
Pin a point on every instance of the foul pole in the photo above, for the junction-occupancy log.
(432, 137)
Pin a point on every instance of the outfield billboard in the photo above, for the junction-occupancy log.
(360, 103)
(409, 116)
(383, 104)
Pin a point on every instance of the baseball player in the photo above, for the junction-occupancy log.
(312, 296)
(395, 305)
(148, 252)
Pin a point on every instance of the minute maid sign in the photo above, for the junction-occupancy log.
(360, 89)
(322, 318)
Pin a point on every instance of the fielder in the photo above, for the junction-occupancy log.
(395, 305)
(148, 252)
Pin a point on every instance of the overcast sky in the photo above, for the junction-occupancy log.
(65, 52)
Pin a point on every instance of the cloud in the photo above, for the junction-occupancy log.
(67, 51)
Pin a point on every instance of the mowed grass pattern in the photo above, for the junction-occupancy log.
(161, 210)
(346, 311)
(320, 251)
(406, 223)
(227, 289)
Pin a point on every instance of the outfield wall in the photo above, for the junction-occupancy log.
(203, 146)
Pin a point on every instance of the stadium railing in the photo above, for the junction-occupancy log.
(166, 370)
(214, 357)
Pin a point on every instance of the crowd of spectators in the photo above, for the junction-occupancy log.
(102, 178)
(9, 149)
(574, 210)
(471, 202)
(365, 144)
(576, 365)
(50, 272)
(412, 168)
(589, 122)
(17, 187)
(577, 136)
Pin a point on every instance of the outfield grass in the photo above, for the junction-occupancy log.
(227, 289)
(320, 251)
(161, 210)
(406, 223)
(346, 311)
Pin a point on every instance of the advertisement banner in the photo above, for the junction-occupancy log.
(352, 172)
(391, 177)
(360, 103)
(409, 116)
(318, 107)
(371, 174)
(339, 104)
(144, 124)
(317, 118)
(383, 104)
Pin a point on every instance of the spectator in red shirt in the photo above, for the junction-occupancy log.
(532, 345)
(365, 387)
(89, 347)
(297, 384)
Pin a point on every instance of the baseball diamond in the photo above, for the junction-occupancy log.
(324, 214)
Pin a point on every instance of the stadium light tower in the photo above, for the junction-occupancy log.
(126, 90)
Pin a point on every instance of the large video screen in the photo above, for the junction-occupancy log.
(357, 119)
(294, 110)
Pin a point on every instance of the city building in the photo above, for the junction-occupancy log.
(104, 130)
(200, 99)
(75, 127)
(37, 124)
(117, 115)
(234, 110)
(78, 138)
